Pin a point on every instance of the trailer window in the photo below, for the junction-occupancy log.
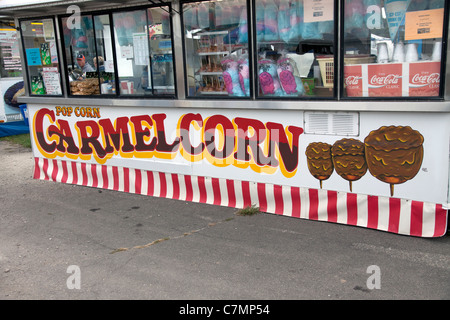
(144, 52)
(10, 63)
(295, 48)
(162, 76)
(42, 61)
(216, 48)
(88, 52)
(392, 48)
(104, 59)
(120, 53)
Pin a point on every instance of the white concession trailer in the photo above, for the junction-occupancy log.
(334, 111)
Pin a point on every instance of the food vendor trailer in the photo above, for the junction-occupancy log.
(11, 81)
(325, 110)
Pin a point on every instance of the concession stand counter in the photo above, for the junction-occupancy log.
(325, 110)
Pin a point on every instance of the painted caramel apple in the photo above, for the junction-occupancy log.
(320, 163)
(394, 154)
(349, 159)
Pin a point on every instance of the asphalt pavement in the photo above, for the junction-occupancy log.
(60, 241)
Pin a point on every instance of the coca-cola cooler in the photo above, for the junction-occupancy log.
(407, 79)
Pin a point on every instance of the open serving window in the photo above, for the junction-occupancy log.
(89, 55)
(120, 53)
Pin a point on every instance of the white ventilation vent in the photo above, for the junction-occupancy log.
(332, 123)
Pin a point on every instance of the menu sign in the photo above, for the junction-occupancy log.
(9, 50)
(51, 81)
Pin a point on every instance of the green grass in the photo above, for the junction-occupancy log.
(248, 211)
(21, 139)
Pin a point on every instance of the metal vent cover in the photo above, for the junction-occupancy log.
(331, 123)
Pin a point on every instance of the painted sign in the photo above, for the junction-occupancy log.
(390, 156)
(242, 142)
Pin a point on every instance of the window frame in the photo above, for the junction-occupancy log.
(25, 60)
(67, 82)
(253, 60)
(443, 66)
(250, 57)
(117, 94)
(335, 48)
(338, 48)
(338, 55)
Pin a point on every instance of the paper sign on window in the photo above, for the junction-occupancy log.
(34, 57)
(426, 24)
(318, 10)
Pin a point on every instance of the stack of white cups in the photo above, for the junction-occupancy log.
(411, 53)
(382, 53)
(437, 48)
(399, 53)
(405, 53)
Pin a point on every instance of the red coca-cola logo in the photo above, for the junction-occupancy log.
(426, 79)
(384, 81)
(352, 80)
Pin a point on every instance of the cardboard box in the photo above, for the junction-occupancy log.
(408, 79)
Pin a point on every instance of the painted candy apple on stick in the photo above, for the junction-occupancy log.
(394, 154)
(349, 160)
(320, 163)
